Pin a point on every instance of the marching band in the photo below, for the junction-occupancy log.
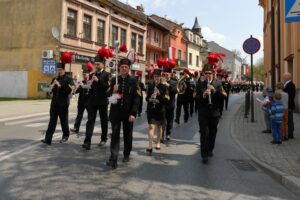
(199, 92)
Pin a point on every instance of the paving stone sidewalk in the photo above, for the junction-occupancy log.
(282, 161)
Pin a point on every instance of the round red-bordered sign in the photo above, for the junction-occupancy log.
(251, 45)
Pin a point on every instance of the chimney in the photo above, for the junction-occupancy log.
(140, 8)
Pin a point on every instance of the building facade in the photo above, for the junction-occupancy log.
(177, 40)
(83, 27)
(281, 45)
(158, 42)
(195, 47)
(231, 62)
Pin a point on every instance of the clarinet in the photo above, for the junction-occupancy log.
(209, 94)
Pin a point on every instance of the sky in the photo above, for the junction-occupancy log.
(227, 22)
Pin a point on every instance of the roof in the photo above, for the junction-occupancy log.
(170, 25)
(127, 8)
(157, 24)
(213, 46)
(196, 25)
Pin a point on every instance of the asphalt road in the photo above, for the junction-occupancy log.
(31, 170)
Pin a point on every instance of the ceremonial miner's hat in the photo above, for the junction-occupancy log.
(125, 61)
(60, 65)
(207, 68)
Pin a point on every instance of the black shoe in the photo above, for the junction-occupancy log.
(149, 152)
(168, 138)
(205, 160)
(177, 121)
(45, 142)
(74, 130)
(185, 121)
(291, 137)
(112, 164)
(86, 146)
(125, 159)
(279, 142)
(210, 154)
(266, 131)
(273, 142)
(102, 143)
(162, 141)
(63, 140)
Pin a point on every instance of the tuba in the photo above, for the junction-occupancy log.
(180, 86)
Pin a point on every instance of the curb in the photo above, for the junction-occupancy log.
(292, 183)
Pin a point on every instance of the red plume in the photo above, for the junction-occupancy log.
(90, 66)
(171, 63)
(66, 57)
(105, 53)
(196, 74)
(161, 62)
(138, 73)
(123, 48)
(186, 71)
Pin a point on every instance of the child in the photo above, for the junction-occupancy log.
(277, 117)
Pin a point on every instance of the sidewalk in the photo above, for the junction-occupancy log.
(281, 161)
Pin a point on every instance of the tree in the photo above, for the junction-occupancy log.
(258, 70)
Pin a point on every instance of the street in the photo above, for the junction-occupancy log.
(32, 170)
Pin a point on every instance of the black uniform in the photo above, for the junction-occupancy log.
(208, 117)
(156, 110)
(170, 106)
(98, 101)
(142, 88)
(82, 104)
(120, 112)
(227, 88)
(190, 91)
(183, 100)
(59, 107)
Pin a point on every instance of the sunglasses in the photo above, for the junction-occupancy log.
(207, 73)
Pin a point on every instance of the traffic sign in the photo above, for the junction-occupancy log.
(251, 45)
(49, 67)
(292, 10)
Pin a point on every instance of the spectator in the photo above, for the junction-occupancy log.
(276, 118)
(285, 99)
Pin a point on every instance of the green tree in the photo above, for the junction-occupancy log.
(258, 70)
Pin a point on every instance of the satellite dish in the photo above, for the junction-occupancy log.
(55, 32)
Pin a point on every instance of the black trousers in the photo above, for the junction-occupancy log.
(92, 114)
(140, 106)
(185, 105)
(221, 106)
(169, 119)
(115, 138)
(80, 111)
(208, 132)
(226, 101)
(192, 106)
(62, 112)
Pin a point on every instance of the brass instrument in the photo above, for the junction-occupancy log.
(180, 86)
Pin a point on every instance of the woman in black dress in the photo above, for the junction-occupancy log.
(156, 97)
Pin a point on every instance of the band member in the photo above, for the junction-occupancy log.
(222, 100)
(142, 87)
(156, 111)
(61, 87)
(227, 88)
(182, 97)
(82, 89)
(97, 102)
(169, 104)
(208, 97)
(123, 111)
(195, 80)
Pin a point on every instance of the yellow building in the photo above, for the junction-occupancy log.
(196, 47)
(36, 31)
(281, 45)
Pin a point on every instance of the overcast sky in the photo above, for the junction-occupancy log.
(227, 22)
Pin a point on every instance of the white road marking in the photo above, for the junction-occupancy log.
(23, 116)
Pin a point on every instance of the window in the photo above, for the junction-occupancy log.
(133, 41)
(155, 57)
(191, 37)
(114, 35)
(190, 58)
(179, 54)
(123, 36)
(71, 22)
(197, 61)
(141, 43)
(87, 27)
(156, 37)
(100, 31)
